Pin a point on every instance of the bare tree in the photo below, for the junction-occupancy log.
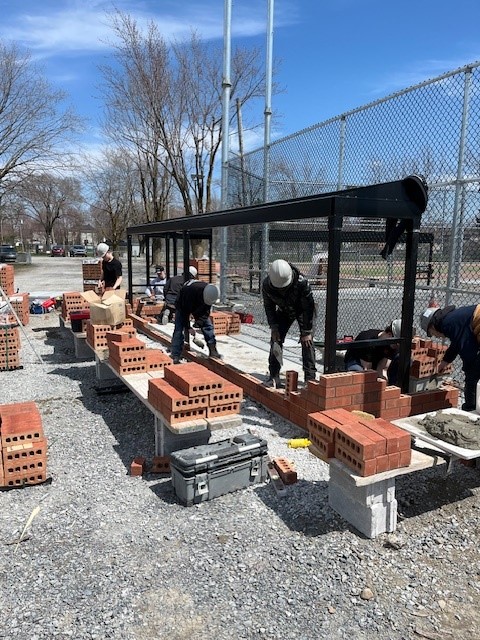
(34, 128)
(49, 200)
(115, 197)
(165, 102)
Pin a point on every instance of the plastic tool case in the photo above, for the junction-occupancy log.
(211, 470)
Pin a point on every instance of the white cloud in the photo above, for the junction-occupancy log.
(84, 25)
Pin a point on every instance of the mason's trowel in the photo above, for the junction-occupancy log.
(278, 353)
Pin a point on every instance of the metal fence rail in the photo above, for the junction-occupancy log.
(429, 129)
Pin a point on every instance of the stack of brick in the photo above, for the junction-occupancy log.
(225, 323)
(426, 356)
(9, 344)
(21, 305)
(7, 274)
(91, 273)
(203, 270)
(72, 301)
(23, 445)
(149, 311)
(127, 356)
(97, 333)
(155, 359)
(367, 446)
(192, 392)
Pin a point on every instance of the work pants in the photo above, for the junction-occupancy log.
(308, 353)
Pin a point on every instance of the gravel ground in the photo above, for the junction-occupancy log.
(114, 556)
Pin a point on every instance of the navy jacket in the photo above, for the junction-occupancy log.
(295, 302)
(457, 326)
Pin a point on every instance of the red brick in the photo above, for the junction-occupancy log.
(361, 467)
(286, 470)
(364, 443)
(137, 466)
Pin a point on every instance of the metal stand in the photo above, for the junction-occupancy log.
(14, 313)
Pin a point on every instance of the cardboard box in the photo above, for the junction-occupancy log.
(108, 309)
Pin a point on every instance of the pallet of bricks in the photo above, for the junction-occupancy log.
(7, 274)
(192, 392)
(127, 354)
(203, 270)
(91, 273)
(21, 305)
(23, 445)
(9, 343)
(225, 323)
(366, 445)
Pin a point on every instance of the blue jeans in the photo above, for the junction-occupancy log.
(182, 322)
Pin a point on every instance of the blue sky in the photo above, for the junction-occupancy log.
(334, 56)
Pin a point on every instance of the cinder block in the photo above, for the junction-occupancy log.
(370, 520)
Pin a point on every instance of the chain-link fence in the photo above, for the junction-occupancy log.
(430, 129)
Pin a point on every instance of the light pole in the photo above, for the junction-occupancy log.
(21, 234)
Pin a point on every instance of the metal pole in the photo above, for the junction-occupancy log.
(266, 143)
(454, 262)
(226, 88)
(341, 153)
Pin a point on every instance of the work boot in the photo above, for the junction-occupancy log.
(165, 318)
(212, 351)
(176, 360)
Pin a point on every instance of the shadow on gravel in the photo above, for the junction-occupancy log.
(63, 347)
(431, 489)
(304, 508)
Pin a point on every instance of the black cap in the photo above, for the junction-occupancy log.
(159, 268)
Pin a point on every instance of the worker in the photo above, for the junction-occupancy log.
(383, 358)
(194, 299)
(155, 288)
(287, 296)
(111, 269)
(462, 327)
(171, 289)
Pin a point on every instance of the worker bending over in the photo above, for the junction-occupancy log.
(383, 358)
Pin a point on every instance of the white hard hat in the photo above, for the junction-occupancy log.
(280, 274)
(210, 294)
(102, 249)
(193, 271)
(396, 328)
(426, 317)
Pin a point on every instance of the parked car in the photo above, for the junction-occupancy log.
(58, 250)
(8, 253)
(78, 250)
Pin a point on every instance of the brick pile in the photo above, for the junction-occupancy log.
(21, 305)
(97, 333)
(225, 323)
(367, 446)
(147, 310)
(72, 301)
(23, 445)
(192, 392)
(9, 344)
(7, 274)
(426, 356)
(203, 270)
(91, 273)
(127, 354)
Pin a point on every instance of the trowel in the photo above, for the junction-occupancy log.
(278, 353)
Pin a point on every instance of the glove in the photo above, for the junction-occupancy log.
(442, 366)
(275, 336)
(307, 340)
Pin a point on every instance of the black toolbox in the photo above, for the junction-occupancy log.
(211, 470)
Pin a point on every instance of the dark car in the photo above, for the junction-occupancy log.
(8, 253)
(58, 250)
(78, 250)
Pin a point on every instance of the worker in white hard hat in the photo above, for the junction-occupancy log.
(462, 327)
(195, 299)
(287, 296)
(111, 269)
(171, 289)
(383, 358)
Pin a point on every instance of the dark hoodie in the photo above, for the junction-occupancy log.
(456, 325)
(295, 302)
